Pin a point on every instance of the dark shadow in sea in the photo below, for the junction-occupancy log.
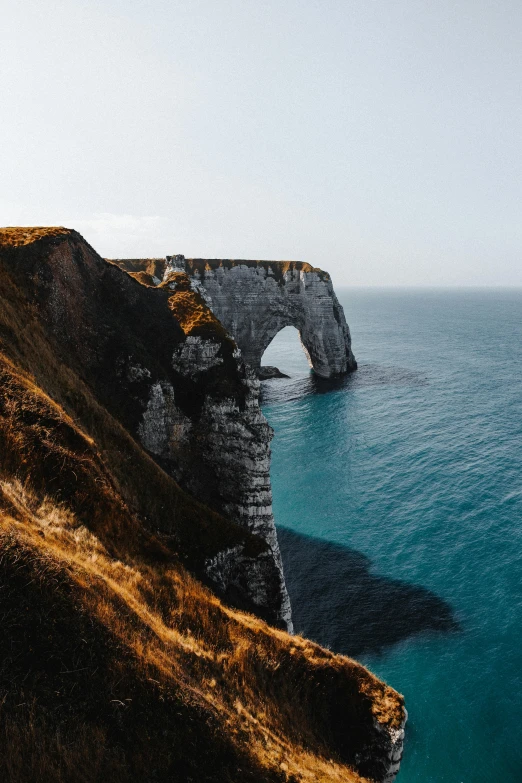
(283, 390)
(338, 602)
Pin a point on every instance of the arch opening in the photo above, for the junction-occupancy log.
(285, 353)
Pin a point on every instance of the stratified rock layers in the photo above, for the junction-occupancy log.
(222, 457)
(254, 300)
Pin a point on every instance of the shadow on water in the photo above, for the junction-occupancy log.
(338, 602)
(283, 390)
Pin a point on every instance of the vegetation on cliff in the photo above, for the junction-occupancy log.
(191, 311)
(144, 268)
(276, 269)
(117, 661)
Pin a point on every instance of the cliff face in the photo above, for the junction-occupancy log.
(116, 657)
(222, 455)
(163, 366)
(254, 300)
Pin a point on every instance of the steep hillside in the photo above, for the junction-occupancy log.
(118, 661)
(109, 350)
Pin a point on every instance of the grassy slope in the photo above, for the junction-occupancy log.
(115, 661)
(29, 357)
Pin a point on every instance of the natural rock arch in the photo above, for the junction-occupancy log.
(254, 300)
(287, 352)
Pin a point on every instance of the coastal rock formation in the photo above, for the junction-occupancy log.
(254, 300)
(117, 658)
(266, 373)
(222, 455)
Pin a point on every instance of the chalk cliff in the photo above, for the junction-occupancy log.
(254, 301)
(222, 455)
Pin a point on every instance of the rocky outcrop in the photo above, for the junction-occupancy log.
(266, 373)
(254, 300)
(222, 456)
(391, 742)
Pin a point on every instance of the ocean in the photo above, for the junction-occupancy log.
(398, 501)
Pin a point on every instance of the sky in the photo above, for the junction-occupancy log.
(380, 140)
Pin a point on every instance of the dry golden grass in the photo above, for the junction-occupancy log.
(277, 268)
(37, 750)
(149, 266)
(18, 236)
(258, 683)
(190, 310)
(144, 278)
(85, 434)
(270, 695)
(192, 313)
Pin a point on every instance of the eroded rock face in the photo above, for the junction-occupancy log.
(254, 300)
(267, 373)
(385, 765)
(222, 457)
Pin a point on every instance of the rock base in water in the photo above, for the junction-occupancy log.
(266, 373)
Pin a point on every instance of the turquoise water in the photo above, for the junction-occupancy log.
(398, 494)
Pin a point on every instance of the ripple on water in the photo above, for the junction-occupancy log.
(400, 492)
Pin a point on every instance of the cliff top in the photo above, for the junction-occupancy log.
(229, 263)
(278, 268)
(157, 266)
(18, 236)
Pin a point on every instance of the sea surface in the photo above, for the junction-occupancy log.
(398, 500)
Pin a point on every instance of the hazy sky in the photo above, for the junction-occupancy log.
(380, 140)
